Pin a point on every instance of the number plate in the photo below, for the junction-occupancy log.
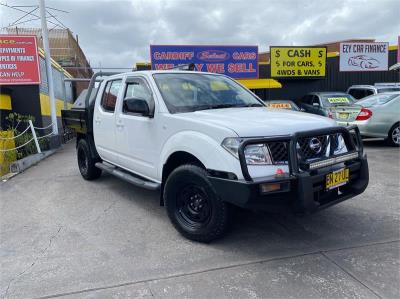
(337, 178)
(343, 115)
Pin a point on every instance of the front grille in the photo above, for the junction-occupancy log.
(279, 152)
(317, 147)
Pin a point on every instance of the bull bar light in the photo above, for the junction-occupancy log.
(332, 161)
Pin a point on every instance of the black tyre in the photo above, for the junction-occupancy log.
(86, 163)
(193, 205)
(394, 135)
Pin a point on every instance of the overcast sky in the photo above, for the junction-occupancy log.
(118, 33)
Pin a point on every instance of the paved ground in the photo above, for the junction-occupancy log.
(63, 236)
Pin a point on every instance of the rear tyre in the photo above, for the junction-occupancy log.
(86, 163)
(193, 206)
(394, 135)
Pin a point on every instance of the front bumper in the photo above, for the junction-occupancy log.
(304, 191)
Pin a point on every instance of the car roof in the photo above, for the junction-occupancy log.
(151, 72)
(362, 86)
(328, 93)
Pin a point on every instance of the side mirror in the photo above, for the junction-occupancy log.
(136, 106)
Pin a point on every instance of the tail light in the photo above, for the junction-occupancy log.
(364, 114)
(330, 114)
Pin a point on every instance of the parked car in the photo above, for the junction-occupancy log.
(361, 91)
(206, 143)
(380, 117)
(282, 104)
(336, 105)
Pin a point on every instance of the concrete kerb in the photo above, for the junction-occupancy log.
(24, 163)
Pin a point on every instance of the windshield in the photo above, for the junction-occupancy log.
(377, 100)
(187, 92)
(381, 90)
(337, 100)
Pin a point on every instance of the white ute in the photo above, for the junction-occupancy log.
(207, 143)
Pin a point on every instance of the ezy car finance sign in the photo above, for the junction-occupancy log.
(364, 57)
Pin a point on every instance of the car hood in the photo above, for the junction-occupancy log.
(261, 121)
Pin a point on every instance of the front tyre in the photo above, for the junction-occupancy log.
(193, 206)
(86, 163)
(394, 135)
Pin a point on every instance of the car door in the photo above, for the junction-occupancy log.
(137, 135)
(104, 121)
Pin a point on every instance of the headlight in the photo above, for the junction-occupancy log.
(255, 154)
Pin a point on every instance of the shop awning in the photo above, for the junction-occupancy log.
(260, 83)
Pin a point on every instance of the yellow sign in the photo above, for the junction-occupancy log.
(292, 62)
(338, 100)
(280, 105)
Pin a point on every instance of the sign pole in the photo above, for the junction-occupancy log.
(49, 72)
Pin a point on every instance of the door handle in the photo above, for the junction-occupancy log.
(120, 124)
(97, 120)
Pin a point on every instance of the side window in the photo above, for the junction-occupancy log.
(307, 99)
(110, 95)
(357, 93)
(137, 88)
(368, 92)
(315, 99)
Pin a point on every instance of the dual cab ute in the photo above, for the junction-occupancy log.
(207, 143)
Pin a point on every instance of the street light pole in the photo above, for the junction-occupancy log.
(49, 72)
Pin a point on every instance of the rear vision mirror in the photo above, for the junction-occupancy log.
(136, 106)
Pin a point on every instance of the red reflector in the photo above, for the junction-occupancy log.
(279, 171)
(364, 114)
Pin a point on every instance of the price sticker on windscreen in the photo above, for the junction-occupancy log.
(338, 100)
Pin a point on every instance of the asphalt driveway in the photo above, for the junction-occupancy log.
(63, 236)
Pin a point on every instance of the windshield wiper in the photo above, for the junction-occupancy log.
(254, 105)
(216, 106)
(221, 106)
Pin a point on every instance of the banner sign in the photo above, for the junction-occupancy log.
(298, 62)
(398, 49)
(238, 62)
(364, 57)
(19, 61)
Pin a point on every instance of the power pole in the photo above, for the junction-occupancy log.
(49, 72)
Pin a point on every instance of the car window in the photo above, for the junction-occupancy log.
(368, 92)
(378, 100)
(380, 90)
(357, 93)
(307, 99)
(110, 95)
(183, 92)
(337, 100)
(138, 88)
(315, 99)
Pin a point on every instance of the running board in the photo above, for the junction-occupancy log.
(124, 175)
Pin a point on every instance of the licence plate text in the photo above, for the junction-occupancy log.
(337, 178)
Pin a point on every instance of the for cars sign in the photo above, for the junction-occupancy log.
(298, 62)
(238, 62)
(364, 57)
(19, 61)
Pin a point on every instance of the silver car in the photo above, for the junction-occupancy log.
(380, 117)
